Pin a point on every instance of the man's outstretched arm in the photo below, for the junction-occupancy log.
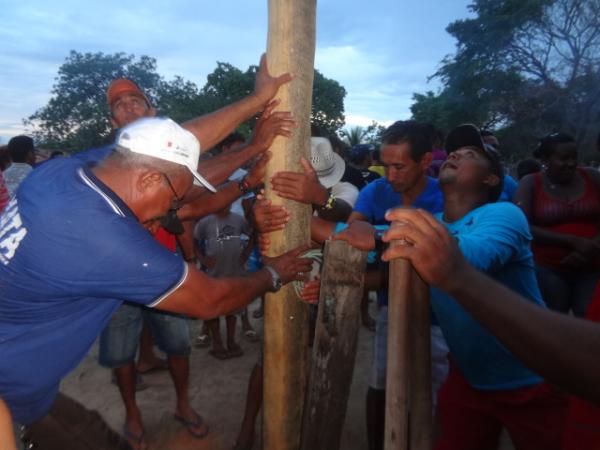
(540, 338)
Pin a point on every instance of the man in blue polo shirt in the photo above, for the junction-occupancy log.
(74, 244)
(406, 155)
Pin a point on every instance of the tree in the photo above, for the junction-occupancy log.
(354, 135)
(524, 68)
(77, 117)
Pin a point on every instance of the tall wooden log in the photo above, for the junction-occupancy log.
(334, 349)
(419, 319)
(396, 403)
(290, 48)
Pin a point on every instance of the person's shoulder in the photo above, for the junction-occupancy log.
(94, 154)
(503, 214)
(509, 179)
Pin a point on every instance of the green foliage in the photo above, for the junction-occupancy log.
(362, 135)
(77, 116)
(327, 104)
(354, 135)
(523, 68)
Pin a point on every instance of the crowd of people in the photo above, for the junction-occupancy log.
(127, 241)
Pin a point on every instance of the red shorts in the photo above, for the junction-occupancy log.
(472, 419)
(582, 431)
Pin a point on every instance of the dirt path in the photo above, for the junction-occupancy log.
(217, 391)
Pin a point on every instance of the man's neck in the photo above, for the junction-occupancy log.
(411, 195)
(458, 204)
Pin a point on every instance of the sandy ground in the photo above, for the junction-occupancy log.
(217, 391)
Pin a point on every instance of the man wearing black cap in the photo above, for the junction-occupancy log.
(22, 155)
(487, 388)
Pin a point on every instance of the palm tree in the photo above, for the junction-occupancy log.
(354, 135)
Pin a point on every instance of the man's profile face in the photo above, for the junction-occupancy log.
(128, 108)
(401, 171)
(468, 168)
(162, 192)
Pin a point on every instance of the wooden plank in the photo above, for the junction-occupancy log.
(290, 48)
(334, 349)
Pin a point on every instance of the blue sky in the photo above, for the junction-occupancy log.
(381, 51)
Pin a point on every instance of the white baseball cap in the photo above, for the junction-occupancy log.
(162, 138)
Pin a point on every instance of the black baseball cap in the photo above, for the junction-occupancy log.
(468, 135)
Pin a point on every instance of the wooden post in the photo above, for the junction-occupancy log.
(419, 319)
(396, 403)
(408, 378)
(290, 48)
(334, 349)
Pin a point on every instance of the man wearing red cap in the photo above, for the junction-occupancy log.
(118, 343)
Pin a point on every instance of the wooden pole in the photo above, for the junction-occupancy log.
(396, 403)
(408, 377)
(419, 318)
(334, 349)
(290, 48)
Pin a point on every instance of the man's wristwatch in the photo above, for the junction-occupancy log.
(275, 278)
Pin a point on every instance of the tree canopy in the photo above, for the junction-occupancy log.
(77, 117)
(523, 68)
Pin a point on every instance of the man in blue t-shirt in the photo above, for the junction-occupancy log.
(119, 340)
(487, 388)
(74, 244)
(406, 155)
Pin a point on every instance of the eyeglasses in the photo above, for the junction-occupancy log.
(176, 198)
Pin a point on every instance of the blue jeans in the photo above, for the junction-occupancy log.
(119, 340)
(566, 292)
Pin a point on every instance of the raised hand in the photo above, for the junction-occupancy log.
(266, 86)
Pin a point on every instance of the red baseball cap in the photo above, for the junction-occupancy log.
(121, 87)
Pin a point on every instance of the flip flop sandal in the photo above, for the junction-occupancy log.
(251, 336)
(135, 439)
(191, 424)
(202, 340)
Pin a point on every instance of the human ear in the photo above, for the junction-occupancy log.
(149, 180)
(491, 180)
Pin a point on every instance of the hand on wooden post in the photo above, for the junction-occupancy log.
(269, 217)
(266, 86)
(303, 187)
(431, 249)
(271, 124)
(359, 234)
(256, 175)
(291, 265)
(311, 291)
